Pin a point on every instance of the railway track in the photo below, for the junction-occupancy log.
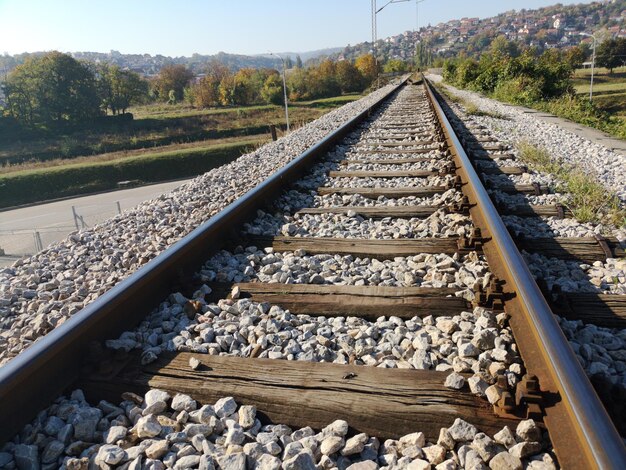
(370, 280)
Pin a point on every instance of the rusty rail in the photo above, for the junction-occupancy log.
(582, 433)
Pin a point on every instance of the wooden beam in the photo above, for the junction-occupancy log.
(392, 161)
(387, 403)
(537, 210)
(373, 193)
(403, 143)
(368, 302)
(379, 212)
(381, 174)
(374, 212)
(519, 188)
(364, 248)
(607, 310)
(477, 155)
(400, 151)
(502, 170)
(584, 249)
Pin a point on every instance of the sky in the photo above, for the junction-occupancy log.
(182, 27)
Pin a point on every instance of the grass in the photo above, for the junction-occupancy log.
(609, 94)
(155, 126)
(33, 185)
(163, 142)
(118, 156)
(589, 201)
(473, 110)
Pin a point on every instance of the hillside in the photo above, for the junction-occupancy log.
(555, 26)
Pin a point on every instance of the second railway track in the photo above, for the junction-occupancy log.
(370, 280)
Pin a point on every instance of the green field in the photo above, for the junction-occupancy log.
(154, 126)
(162, 142)
(609, 91)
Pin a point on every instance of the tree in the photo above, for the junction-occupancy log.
(272, 91)
(395, 66)
(118, 89)
(288, 62)
(611, 53)
(366, 64)
(500, 46)
(206, 91)
(423, 54)
(298, 62)
(575, 56)
(51, 90)
(348, 77)
(172, 77)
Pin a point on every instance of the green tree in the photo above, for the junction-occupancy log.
(172, 77)
(297, 82)
(395, 66)
(272, 91)
(119, 89)
(423, 54)
(288, 62)
(500, 46)
(349, 78)
(298, 62)
(575, 56)
(50, 90)
(611, 53)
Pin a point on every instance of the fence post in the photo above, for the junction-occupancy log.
(273, 132)
(38, 242)
(75, 218)
(119, 208)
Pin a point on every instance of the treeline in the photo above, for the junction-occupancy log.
(515, 74)
(56, 90)
(520, 75)
(222, 87)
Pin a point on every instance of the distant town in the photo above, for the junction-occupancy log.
(556, 26)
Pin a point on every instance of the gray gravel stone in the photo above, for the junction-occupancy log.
(505, 461)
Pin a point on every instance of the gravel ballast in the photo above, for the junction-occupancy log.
(39, 293)
(159, 431)
(519, 126)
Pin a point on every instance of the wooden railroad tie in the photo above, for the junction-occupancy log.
(382, 174)
(386, 403)
(533, 210)
(373, 193)
(369, 302)
(583, 249)
(390, 161)
(606, 310)
(398, 151)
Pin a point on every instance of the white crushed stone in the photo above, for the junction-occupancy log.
(352, 225)
(564, 145)
(226, 435)
(39, 293)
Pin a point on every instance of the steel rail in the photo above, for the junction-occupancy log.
(591, 441)
(34, 378)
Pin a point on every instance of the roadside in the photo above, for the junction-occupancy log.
(24, 231)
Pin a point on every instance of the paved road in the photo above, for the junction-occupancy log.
(54, 220)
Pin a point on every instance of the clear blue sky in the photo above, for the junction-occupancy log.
(182, 27)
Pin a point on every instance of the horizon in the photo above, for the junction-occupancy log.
(34, 29)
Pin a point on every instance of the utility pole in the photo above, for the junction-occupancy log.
(376, 11)
(593, 63)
